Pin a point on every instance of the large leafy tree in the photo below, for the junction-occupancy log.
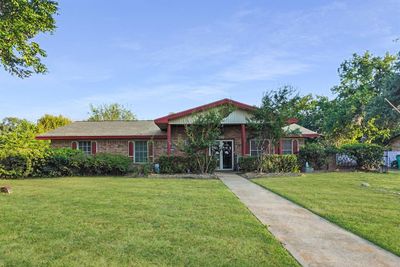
(20, 22)
(362, 80)
(50, 122)
(379, 107)
(111, 112)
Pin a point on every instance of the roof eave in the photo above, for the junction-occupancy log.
(81, 137)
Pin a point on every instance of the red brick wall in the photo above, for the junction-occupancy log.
(61, 144)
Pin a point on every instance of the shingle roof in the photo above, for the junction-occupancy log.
(304, 131)
(105, 129)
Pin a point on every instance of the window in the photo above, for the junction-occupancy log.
(140, 151)
(85, 146)
(257, 147)
(287, 147)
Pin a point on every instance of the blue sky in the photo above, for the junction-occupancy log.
(157, 57)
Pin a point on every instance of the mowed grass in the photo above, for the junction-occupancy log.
(371, 212)
(131, 222)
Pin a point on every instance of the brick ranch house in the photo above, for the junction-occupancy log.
(145, 140)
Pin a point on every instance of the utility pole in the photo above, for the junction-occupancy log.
(393, 106)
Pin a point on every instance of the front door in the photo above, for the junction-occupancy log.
(224, 154)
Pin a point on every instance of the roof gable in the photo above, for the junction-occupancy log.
(166, 119)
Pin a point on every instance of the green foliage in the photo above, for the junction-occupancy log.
(315, 154)
(111, 112)
(19, 151)
(367, 156)
(60, 162)
(20, 22)
(105, 164)
(174, 164)
(183, 164)
(201, 135)
(63, 162)
(269, 119)
(142, 170)
(51, 122)
(362, 79)
(248, 164)
(270, 164)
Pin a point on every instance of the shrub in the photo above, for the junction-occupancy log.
(59, 162)
(174, 164)
(14, 165)
(367, 156)
(271, 163)
(107, 164)
(248, 164)
(315, 154)
(69, 162)
(181, 164)
(142, 169)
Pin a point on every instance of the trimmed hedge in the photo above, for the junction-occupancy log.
(64, 162)
(270, 164)
(181, 164)
(367, 156)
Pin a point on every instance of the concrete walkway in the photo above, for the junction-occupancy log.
(312, 240)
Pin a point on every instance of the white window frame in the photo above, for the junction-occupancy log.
(283, 147)
(135, 149)
(258, 151)
(78, 145)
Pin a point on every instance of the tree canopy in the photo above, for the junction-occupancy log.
(50, 122)
(110, 112)
(20, 22)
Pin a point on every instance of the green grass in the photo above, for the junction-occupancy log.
(131, 222)
(371, 212)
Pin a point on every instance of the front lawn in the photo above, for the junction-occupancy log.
(371, 212)
(135, 222)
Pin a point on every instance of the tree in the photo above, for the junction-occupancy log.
(201, 136)
(51, 122)
(268, 121)
(362, 79)
(388, 117)
(20, 22)
(111, 112)
(19, 148)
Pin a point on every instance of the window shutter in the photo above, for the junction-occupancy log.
(247, 152)
(74, 145)
(295, 146)
(131, 149)
(94, 148)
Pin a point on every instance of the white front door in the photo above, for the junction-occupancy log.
(224, 154)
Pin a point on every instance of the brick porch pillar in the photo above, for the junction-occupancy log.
(243, 128)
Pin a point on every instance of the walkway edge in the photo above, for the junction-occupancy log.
(311, 239)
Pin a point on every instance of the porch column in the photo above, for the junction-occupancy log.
(169, 139)
(281, 147)
(243, 139)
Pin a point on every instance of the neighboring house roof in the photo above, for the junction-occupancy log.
(106, 130)
(304, 132)
(164, 120)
